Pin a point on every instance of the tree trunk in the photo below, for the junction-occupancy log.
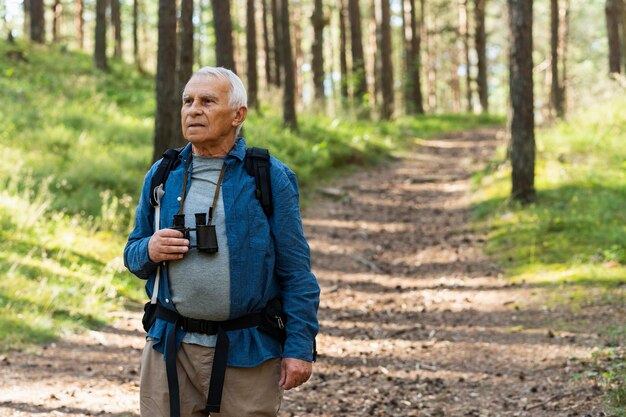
(522, 148)
(613, 9)
(358, 62)
(37, 21)
(266, 45)
(100, 52)
(481, 52)
(297, 46)
(79, 23)
(431, 54)
(387, 66)
(465, 35)
(136, 55)
(319, 21)
(253, 86)
(224, 52)
(184, 67)
(556, 96)
(57, 13)
(165, 79)
(26, 27)
(278, 47)
(564, 15)
(623, 34)
(289, 91)
(116, 22)
(343, 59)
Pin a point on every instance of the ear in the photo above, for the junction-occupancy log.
(240, 116)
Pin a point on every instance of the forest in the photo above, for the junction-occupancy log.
(462, 176)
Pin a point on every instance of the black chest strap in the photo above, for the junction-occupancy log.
(257, 164)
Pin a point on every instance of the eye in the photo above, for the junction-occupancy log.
(208, 101)
(187, 100)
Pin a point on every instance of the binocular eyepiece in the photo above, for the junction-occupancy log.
(206, 236)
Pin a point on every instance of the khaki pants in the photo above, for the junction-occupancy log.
(248, 392)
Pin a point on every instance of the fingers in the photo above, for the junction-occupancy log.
(167, 245)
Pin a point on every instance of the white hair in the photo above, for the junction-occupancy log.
(238, 97)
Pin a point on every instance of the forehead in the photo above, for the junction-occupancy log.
(207, 84)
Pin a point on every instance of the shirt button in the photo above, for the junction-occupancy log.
(167, 300)
(179, 198)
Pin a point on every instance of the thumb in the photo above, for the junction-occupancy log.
(283, 374)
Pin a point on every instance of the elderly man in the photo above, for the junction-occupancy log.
(233, 313)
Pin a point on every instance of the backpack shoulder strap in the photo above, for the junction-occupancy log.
(168, 163)
(257, 163)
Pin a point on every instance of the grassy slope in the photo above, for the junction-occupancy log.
(573, 240)
(76, 144)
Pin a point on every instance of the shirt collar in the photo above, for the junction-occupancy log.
(238, 151)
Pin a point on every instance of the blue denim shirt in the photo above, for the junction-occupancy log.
(268, 257)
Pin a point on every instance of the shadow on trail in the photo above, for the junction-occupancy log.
(39, 409)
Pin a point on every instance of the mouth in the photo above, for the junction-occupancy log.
(190, 125)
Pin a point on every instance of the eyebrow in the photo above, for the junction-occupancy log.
(202, 96)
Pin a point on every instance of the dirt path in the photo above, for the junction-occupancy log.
(414, 319)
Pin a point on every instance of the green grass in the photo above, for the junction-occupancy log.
(573, 239)
(76, 144)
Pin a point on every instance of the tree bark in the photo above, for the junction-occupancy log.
(297, 46)
(289, 96)
(564, 16)
(465, 35)
(37, 21)
(165, 79)
(319, 21)
(522, 127)
(57, 13)
(116, 22)
(556, 96)
(278, 47)
(481, 52)
(359, 75)
(136, 55)
(623, 34)
(613, 10)
(184, 67)
(387, 65)
(100, 52)
(251, 49)
(224, 52)
(266, 44)
(343, 59)
(79, 23)
(26, 9)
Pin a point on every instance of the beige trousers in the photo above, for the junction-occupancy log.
(248, 392)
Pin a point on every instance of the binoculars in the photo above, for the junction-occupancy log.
(206, 238)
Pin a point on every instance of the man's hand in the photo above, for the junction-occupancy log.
(167, 245)
(294, 372)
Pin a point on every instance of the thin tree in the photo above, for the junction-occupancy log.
(37, 21)
(165, 78)
(136, 56)
(522, 126)
(623, 34)
(116, 22)
(26, 11)
(387, 66)
(224, 50)
(57, 13)
(613, 11)
(359, 76)
(79, 23)
(289, 96)
(319, 22)
(563, 47)
(343, 59)
(415, 65)
(278, 54)
(465, 35)
(556, 96)
(251, 55)
(481, 52)
(100, 55)
(184, 66)
(266, 45)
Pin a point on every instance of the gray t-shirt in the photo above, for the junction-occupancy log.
(200, 282)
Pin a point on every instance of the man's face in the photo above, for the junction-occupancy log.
(206, 117)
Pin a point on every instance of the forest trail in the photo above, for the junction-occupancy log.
(415, 320)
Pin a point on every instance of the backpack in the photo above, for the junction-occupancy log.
(256, 162)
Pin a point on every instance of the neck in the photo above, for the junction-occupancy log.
(218, 150)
